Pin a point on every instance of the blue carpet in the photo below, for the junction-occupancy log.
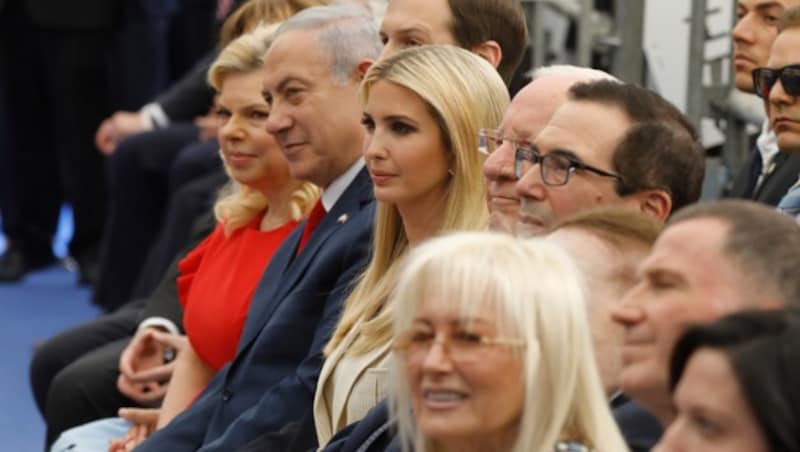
(44, 304)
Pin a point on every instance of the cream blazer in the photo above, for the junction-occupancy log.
(348, 386)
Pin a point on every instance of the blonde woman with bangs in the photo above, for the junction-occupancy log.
(494, 352)
(218, 278)
(422, 110)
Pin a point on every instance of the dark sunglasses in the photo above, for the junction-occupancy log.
(764, 79)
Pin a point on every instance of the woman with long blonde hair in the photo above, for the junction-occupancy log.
(422, 110)
(494, 350)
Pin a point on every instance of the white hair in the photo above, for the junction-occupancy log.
(347, 34)
(570, 71)
(537, 292)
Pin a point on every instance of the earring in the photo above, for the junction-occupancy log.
(451, 172)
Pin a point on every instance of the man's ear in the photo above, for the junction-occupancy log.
(654, 202)
(489, 51)
(361, 69)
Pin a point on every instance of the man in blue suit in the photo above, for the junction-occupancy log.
(312, 74)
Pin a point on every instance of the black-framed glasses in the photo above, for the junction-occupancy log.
(764, 79)
(555, 167)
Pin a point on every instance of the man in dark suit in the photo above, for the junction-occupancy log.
(712, 259)
(313, 70)
(768, 174)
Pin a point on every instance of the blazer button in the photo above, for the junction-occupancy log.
(227, 395)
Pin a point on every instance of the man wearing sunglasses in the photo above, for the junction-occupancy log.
(779, 85)
(609, 143)
(769, 173)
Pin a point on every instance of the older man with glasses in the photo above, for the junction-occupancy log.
(526, 116)
(610, 143)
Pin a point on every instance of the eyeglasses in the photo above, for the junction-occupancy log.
(555, 167)
(489, 140)
(765, 78)
(462, 347)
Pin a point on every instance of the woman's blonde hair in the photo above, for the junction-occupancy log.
(237, 205)
(463, 93)
(254, 12)
(537, 294)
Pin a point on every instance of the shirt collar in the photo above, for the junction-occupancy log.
(767, 144)
(334, 191)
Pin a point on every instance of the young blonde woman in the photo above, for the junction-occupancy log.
(422, 109)
(494, 351)
(218, 278)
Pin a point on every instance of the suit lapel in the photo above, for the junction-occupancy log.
(346, 379)
(291, 268)
(269, 283)
(775, 167)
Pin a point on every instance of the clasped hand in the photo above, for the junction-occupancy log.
(144, 371)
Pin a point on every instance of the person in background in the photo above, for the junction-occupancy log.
(734, 385)
(767, 175)
(491, 334)
(779, 85)
(607, 244)
(494, 29)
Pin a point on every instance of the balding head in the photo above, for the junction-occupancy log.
(526, 116)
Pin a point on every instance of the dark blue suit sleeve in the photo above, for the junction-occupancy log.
(293, 397)
(187, 430)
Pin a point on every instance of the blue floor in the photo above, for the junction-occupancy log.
(43, 304)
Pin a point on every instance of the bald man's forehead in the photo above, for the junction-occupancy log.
(532, 108)
(523, 121)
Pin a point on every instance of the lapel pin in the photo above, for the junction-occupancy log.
(771, 168)
(343, 219)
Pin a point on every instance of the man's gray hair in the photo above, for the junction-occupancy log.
(347, 34)
(570, 71)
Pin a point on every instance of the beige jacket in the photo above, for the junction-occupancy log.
(348, 386)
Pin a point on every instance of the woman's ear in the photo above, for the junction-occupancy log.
(490, 51)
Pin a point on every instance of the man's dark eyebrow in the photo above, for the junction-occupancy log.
(767, 5)
(568, 154)
(411, 30)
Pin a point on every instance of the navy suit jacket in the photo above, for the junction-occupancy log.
(640, 429)
(775, 184)
(270, 383)
(376, 432)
